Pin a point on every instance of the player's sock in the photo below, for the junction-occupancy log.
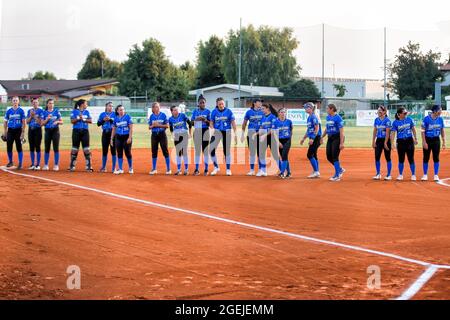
(317, 161)
(46, 158)
(87, 156)
(279, 164)
(283, 166)
(205, 159)
(378, 166)
(73, 157)
(436, 168)
(56, 159)
(337, 168)
(288, 168)
(197, 162)
(114, 161)
(401, 166)
(228, 162)
(168, 163)
(104, 160)
(314, 164)
(38, 158)
(425, 168)
(186, 161)
(389, 168)
(32, 157)
(252, 162)
(130, 163)
(413, 169)
(178, 163)
(214, 161)
(154, 160)
(120, 163)
(20, 154)
(10, 157)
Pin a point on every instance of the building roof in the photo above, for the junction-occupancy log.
(58, 87)
(251, 90)
(445, 67)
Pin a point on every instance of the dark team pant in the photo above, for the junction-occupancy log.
(253, 147)
(13, 136)
(160, 139)
(379, 149)
(268, 142)
(225, 137)
(80, 137)
(284, 148)
(405, 147)
(122, 146)
(35, 140)
(312, 153)
(51, 138)
(333, 152)
(434, 146)
(106, 146)
(181, 141)
(201, 143)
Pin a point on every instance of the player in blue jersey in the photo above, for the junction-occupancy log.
(404, 127)
(253, 118)
(336, 139)
(51, 121)
(381, 142)
(34, 121)
(13, 132)
(222, 121)
(122, 138)
(266, 139)
(433, 130)
(201, 118)
(284, 130)
(180, 126)
(313, 134)
(80, 119)
(158, 124)
(106, 120)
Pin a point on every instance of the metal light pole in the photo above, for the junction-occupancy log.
(240, 60)
(323, 61)
(385, 70)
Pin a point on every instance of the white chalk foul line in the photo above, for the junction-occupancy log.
(443, 183)
(234, 222)
(419, 283)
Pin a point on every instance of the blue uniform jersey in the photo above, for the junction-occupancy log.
(267, 123)
(403, 128)
(38, 116)
(254, 118)
(106, 125)
(160, 118)
(204, 114)
(381, 125)
(179, 124)
(284, 128)
(311, 124)
(432, 127)
(334, 124)
(80, 124)
(15, 118)
(222, 119)
(55, 116)
(122, 124)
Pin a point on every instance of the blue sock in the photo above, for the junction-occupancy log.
(104, 160)
(401, 166)
(436, 168)
(46, 158)
(279, 164)
(154, 163)
(56, 158)
(120, 163)
(288, 168)
(20, 158)
(186, 162)
(114, 161)
(378, 166)
(178, 163)
(10, 156)
(317, 161)
(389, 168)
(425, 168)
(168, 163)
(252, 162)
(314, 164)
(206, 162)
(130, 163)
(413, 169)
(214, 161)
(337, 169)
(283, 166)
(228, 162)
(197, 162)
(38, 158)
(32, 157)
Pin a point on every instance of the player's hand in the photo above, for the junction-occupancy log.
(394, 147)
(415, 141)
(321, 141)
(302, 142)
(311, 142)
(443, 145)
(243, 137)
(235, 140)
(425, 145)
(106, 118)
(111, 143)
(129, 140)
(49, 117)
(374, 144)
(4, 137)
(22, 137)
(386, 146)
(341, 146)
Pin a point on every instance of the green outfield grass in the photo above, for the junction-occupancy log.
(356, 137)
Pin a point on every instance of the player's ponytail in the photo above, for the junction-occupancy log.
(79, 103)
(273, 110)
(399, 112)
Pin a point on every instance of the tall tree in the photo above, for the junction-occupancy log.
(303, 88)
(267, 56)
(42, 75)
(414, 73)
(148, 69)
(190, 72)
(209, 62)
(341, 90)
(95, 61)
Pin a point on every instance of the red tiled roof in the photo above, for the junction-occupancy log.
(445, 67)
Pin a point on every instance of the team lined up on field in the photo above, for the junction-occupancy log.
(263, 128)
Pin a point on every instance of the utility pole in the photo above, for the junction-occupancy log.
(385, 70)
(240, 60)
(323, 61)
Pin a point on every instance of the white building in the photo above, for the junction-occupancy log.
(230, 93)
(447, 98)
(3, 95)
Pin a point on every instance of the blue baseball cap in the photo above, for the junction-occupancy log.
(308, 105)
(436, 108)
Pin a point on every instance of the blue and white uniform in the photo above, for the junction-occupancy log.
(432, 129)
(179, 126)
(52, 135)
(159, 137)
(334, 123)
(253, 117)
(222, 123)
(405, 143)
(122, 134)
(35, 136)
(14, 120)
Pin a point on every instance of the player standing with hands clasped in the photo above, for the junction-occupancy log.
(106, 120)
(201, 117)
(13, 132)
(52, 121)
(80, 119)
(122, 138)
(381, 142)
(158, 124)
(433, 129)
(313, 133)
(34, 121)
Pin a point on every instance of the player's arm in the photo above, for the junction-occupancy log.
(374, 137)
(443, 137)
(100, 121)
(89, 119)
(393, 134)
(424, 141)
(113, 134)
(130, 137)
(342, 138)
(30, 117)
(244, 126)
(414, 134)
(5, 127)
(388, 136)
(233, 125)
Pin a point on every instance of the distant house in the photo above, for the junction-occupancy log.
(66, 90)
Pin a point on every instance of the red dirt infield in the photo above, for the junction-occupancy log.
(131, 250)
